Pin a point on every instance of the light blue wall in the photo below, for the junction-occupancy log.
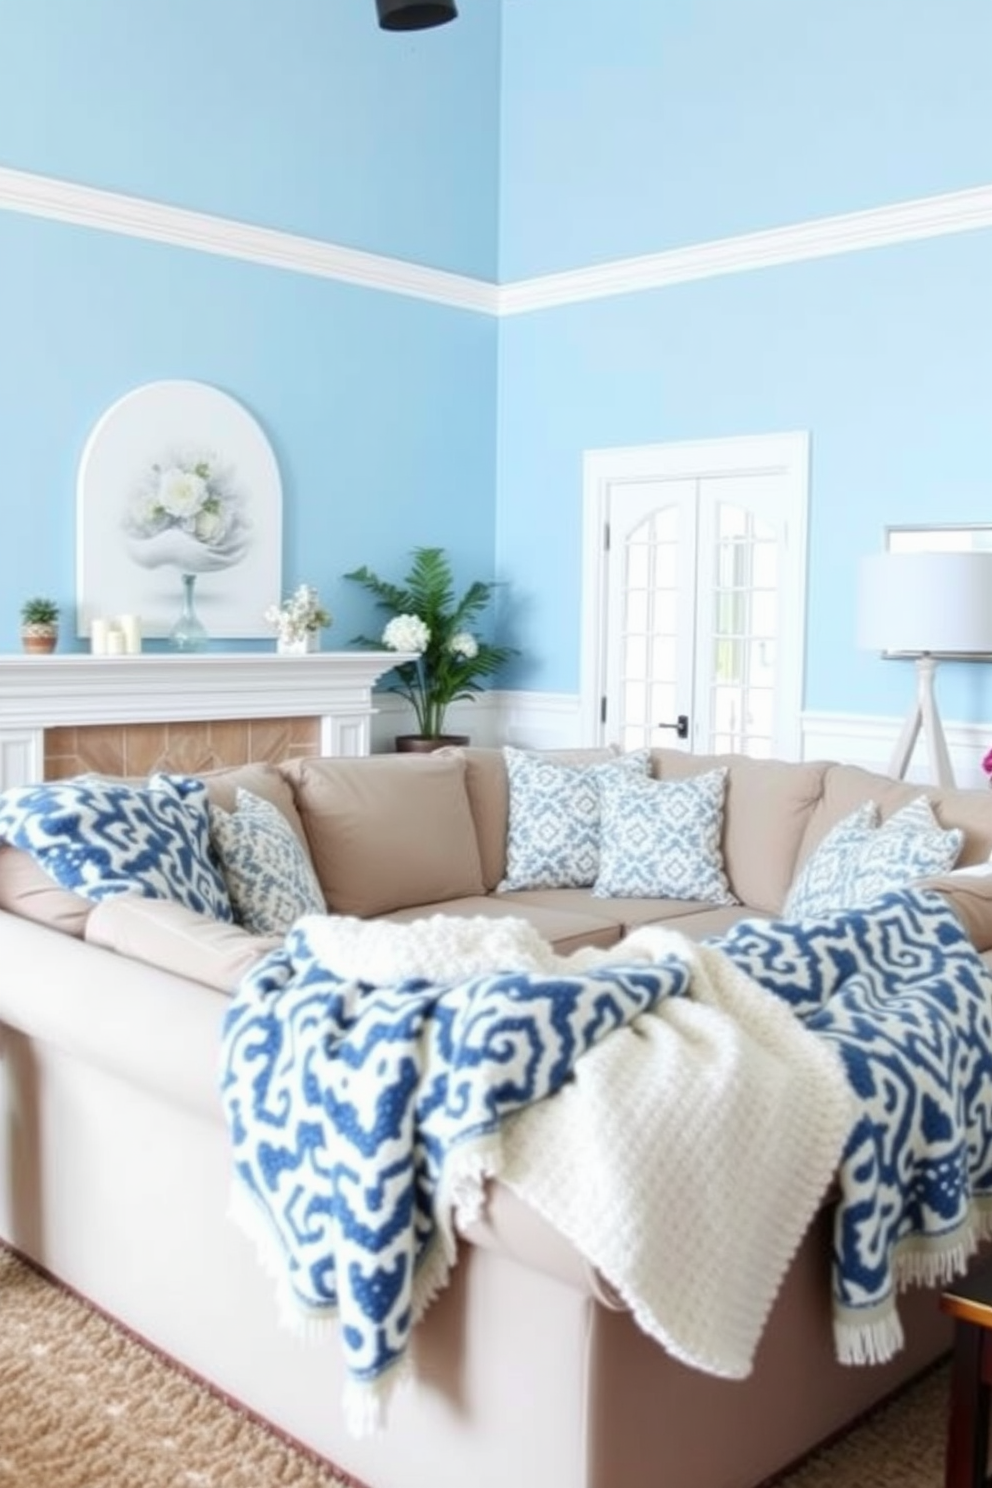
(639, 126)
(507, 145)
(301, 116)
(679, 124)
(380, 407)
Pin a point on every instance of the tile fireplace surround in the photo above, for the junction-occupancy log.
(49, 700)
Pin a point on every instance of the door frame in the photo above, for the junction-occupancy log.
(784, 455)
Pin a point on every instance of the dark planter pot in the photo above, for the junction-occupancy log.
(421, 744)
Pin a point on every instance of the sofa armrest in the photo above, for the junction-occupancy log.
(168, 935)
(508, 1225)
(969, 893)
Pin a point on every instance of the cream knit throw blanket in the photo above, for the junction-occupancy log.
(689, 1153)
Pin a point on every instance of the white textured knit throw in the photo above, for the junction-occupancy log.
(688, 1155)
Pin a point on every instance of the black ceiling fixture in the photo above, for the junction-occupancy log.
(414, 15)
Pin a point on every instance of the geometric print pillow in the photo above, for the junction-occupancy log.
(553, 834)
(661, 839)
(910, 845)
(823, 883)
(102, 837)
(269, 877)
(865, 860)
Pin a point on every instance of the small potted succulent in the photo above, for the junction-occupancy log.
(39, 625)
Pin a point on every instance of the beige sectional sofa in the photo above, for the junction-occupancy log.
(528, 1372)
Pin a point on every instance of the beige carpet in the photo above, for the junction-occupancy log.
(83, 1405)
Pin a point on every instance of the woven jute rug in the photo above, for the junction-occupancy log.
(85, 1405)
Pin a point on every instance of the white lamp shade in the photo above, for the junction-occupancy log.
(914, 603)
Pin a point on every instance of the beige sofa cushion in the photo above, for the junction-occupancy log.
(268, 781)
(174, 938)
(387, 831)
(767, 810)
(847, 786)
(27, 890)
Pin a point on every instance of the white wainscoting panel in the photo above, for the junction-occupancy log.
(866, 740)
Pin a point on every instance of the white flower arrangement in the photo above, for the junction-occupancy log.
(429, 621)
(406, 633)
(298, 617)
(187, 512)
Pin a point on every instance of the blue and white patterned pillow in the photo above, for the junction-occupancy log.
(102, 837)
(662, 839)
(553, 835)
(860, 860)
(823, 882)
(910, 845)
(269, 877)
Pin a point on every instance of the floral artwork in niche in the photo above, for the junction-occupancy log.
(188, 512)
(178, 478)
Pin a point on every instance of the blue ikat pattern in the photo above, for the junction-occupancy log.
(101, 837)
(900, 991)
(348, 1104)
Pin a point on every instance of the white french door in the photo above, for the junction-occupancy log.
(694, 594)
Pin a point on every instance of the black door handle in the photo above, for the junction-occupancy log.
(681, 726)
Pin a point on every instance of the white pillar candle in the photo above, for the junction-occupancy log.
(115, 641)
(98, 635)
(130, 627)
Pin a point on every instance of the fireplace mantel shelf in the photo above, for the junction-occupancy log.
(38, 693)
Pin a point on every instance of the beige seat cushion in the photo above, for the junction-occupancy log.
(387, 831)
(564, 931)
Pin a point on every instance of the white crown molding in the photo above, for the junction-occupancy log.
(137, 217)
(852, 232)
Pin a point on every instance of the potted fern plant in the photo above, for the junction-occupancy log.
(427, 617)
(39, 625)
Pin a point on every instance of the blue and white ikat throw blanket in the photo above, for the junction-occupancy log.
(899, 990)
(362, 1086)
(373, 1075)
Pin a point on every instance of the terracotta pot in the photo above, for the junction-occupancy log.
(421, 744)
(39, 640)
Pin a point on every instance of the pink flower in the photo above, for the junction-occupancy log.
(987, 763)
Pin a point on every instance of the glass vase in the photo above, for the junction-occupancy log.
(189, 633)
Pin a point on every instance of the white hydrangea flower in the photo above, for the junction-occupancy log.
(464, 644)
(406, 633)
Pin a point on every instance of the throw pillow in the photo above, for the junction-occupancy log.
(661, 839)
(911, 844)
(553, 837)
(822, 883)
(269, 877)
(100, 837)
(859, 861)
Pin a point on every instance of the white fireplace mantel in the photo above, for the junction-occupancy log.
(59, 691)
